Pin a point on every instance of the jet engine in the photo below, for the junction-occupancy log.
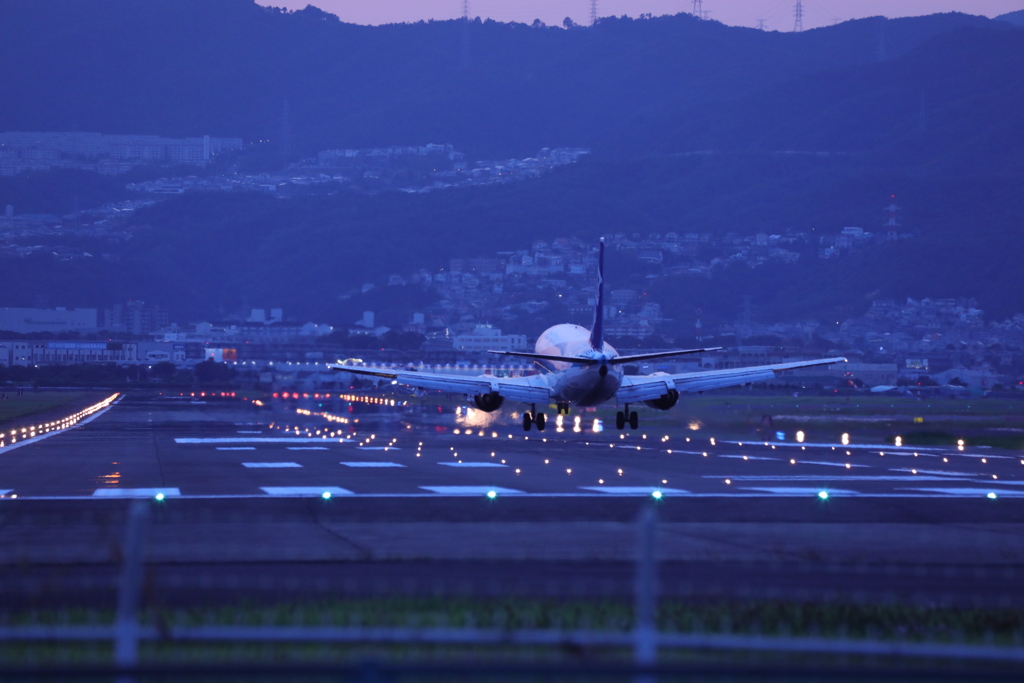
(488, 402)
(664, 402)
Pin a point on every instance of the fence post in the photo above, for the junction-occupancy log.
(645, 644)
(126, 622)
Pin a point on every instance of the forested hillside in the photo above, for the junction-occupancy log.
(695, 127)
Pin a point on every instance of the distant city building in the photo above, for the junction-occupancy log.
(33, 320)
(109, 154)
(487, 338)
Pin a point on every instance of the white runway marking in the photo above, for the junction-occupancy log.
(748, 457)
(308, 448)
(971, 493)
(859, 446)
(236, 448)
(472, 464)
(937, 472)
(305, 491)
(371, 464)
(259, 439)
(803, 491)
(819, 477)
(830, 464)
(634, 490)
(270, 464)
(135, 493)
(469, 490)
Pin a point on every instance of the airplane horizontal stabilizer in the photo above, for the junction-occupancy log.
(619, 360)
(579, 360)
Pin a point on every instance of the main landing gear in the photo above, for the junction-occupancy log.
(532, 417)
(625, 416)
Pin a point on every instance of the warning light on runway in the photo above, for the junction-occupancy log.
(823, 495)
(960, 444)
(846, 439)
(899, 441)
(800, 437)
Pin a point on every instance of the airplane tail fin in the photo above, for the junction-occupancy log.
(597, 331)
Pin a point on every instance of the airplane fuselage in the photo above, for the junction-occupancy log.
(572, 383)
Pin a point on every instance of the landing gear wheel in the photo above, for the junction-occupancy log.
(634, 420)
(541, 420)
(527, 421)
(620, 420)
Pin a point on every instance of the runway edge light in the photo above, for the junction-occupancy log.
(823, 495)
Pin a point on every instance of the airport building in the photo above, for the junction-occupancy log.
(46, 352)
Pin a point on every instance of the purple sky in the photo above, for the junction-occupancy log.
(777, 14)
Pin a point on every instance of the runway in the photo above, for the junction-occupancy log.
(149, 446)
(239, 511)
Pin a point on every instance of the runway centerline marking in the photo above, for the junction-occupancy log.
(634, 490)
(371, 464)
(308, 448)
(471, 490)
(304, 491)
(236, 448)
(819, 477)
(270, 464)
(971, 492)
(136, 493)
(802, 490)
(257, 439)
(472, 464)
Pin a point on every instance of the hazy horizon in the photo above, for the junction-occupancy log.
(777, 15)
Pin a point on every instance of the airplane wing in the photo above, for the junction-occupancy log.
(636, 388)
(533, 389)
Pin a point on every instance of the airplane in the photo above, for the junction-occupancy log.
(581, 369)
